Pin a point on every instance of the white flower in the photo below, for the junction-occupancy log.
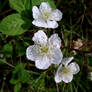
(45, 51)
(66, 70)
(45, 16)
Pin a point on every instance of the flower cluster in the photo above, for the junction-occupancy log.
(46, 51)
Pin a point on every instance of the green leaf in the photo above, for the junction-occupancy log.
(8, 49)
(13, 81)
(24, 76)
(14, 24)
(38, 2)
(20, 74)
(21, 5)
(17, 87)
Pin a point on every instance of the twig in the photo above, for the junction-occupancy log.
(57, 88)
(79, 50)
(86, 44)
(8, 64)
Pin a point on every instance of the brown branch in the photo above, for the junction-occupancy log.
(86, 44)
(80, 49)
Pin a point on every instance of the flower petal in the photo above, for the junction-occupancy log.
(74, 67)
(36, 12)
(56, 15)
(42, 23)
(40, 38)
(66, 61)
(55, 41)
(56, 56)
(52, 24)
(32, 52)
(45, 7)
(58, 76)
(43, 62)
(39, 23)
(67, 78)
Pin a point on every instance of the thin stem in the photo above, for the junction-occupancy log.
(57, 88)
(8, 63)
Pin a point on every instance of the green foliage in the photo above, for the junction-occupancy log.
(21, 5)
(14, 24)
(20, 74)
(16, 32)
(17, 87)
(8, 49)
(39, 82)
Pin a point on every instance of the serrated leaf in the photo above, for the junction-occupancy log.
(38, 2)
(21, 5)
(14, 24)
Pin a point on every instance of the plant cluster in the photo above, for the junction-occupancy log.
(59, 57)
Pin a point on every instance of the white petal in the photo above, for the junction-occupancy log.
(56, 56)
(43, 23)
(39, 23)
(36, 12)
(45, 7)
(66, 61)
(74, 67)
(42, 63)
(56, 15)
(52, 24)
(55, 41)
(32, 52)
(40, 38)
(67, 78)
(58, 77)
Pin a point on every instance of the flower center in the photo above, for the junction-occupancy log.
(44, 49)
(46, 15)
(65, 70)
